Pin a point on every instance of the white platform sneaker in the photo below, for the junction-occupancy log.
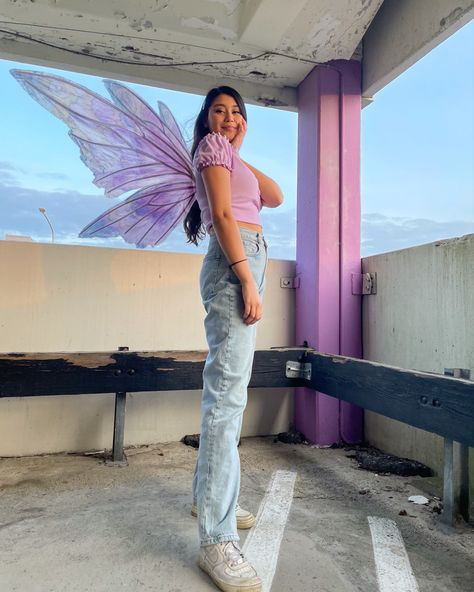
(228, 568)
(245, 519)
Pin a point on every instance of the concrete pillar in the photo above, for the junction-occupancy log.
(328, 315)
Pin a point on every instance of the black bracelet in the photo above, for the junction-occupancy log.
(235, 263)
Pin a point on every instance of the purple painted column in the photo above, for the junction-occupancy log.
(328, 315)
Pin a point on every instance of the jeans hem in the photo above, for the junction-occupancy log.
(220, 538)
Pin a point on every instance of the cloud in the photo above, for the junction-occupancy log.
(56, 176)
(279, 229)
(381, 234)
(12, 175)
(9, 173)
(7, 166)
(70, 211)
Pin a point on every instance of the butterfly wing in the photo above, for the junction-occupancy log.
(128, 147)
(145, 218)
(162, 127)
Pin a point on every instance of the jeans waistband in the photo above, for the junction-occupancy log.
(244, 232)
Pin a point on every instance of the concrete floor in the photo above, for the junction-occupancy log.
(68, 523)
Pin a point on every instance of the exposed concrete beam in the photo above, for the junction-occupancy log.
(403, 31)
(264, 22)
(164, 77)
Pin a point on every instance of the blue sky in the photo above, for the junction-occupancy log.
(417, 159)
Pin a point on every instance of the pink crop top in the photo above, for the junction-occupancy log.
(216, 149)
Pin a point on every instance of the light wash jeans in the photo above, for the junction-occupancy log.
(226, 375)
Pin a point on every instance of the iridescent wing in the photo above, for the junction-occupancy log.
(127, 146)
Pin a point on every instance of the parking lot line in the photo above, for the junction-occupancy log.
(394, 572)
(262, 545)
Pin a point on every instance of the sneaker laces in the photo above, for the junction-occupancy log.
(233, 554)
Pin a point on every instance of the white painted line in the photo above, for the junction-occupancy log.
(394, 572)
(262, 544)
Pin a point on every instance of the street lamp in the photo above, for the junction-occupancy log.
(43, 211)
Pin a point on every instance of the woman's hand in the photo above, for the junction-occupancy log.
(239, 136)
(252, 303)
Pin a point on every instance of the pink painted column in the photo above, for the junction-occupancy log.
(328, 315)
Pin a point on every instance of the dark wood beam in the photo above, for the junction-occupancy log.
(38, 374)
(433, 402)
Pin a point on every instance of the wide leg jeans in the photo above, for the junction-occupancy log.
(226, 376)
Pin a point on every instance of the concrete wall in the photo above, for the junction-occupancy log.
(69, 298)
(422, 317)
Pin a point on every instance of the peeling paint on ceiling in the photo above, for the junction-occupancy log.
(202, 37)
(208, 23)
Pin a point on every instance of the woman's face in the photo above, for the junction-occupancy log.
(224, 116)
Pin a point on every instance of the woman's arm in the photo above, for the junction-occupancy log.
(271, 194)
(217, 183)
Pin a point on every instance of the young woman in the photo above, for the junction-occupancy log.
(229, 196)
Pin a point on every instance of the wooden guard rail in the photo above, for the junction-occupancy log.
(433, 402)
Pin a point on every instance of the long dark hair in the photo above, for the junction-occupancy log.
(193, 226)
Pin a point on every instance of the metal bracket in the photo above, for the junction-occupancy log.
(455, 470)
(364, 283)
(455, 482)
(289, 282)
(298, 370)
(458, 373)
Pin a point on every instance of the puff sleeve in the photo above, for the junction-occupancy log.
(214, 150)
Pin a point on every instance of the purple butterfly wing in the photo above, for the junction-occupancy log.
(146, 218)
(164, 126)
(128, 147)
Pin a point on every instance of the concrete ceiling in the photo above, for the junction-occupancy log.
(265, 45)
(264, 48)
